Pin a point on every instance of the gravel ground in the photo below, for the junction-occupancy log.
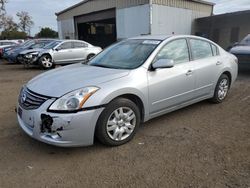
(201, 146)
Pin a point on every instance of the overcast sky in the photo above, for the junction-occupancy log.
(43, 11)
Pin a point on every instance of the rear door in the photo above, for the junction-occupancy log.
(80, 50)
(64, 53)
(207, 65)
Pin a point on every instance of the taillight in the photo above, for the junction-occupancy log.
(1, 50)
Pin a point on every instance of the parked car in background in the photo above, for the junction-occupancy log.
(6, 44)
(128, 83)
(242, 51)
(31, 56)
(12, 55)
(61, 52)
(8, 50)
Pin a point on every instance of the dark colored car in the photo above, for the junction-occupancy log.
(13, 54)
(242, 51)
(7, 50)
(6, 44)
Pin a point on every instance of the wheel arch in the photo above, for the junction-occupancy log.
(229, 76)
(135, 99)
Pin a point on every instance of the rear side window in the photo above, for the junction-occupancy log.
(200, 49)
(80, 45)
(176, 50)
(215, 50)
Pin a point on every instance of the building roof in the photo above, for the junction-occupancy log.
(229, 14)
(71, 7)
(85, 1)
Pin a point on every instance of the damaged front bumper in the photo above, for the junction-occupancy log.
(66, 130)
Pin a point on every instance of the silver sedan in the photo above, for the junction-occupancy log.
(63, 52)
(128, 83)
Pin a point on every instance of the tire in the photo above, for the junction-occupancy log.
(46, 62)
(90, 56)
(118, 123)
(221, 89)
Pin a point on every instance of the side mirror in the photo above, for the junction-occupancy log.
(58, 49)
(163, 63)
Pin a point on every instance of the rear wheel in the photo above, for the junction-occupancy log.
(90, 56)
(118, 123)
(46, 62)
(221, 89)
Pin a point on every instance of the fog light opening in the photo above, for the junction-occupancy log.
(47, 122)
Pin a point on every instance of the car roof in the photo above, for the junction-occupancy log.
(152, 37)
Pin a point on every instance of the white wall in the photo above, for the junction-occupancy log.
(134, 21)
(168, 20)
(66, 28)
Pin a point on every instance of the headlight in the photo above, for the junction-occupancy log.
(28, 56)
(34, 53)
(74, 100)
(31, 55)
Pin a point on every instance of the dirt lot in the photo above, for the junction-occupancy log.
(204, 145)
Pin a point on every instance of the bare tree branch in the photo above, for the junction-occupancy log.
(25, 21)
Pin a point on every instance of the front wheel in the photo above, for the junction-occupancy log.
(221, 89)
(46, 62)
(118, 123)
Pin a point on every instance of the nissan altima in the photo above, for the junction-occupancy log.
(127, 84)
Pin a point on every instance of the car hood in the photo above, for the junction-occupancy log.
(60, 81)
(240, 50)
(31, 51)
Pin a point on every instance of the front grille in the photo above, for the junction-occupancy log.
(30, 100)
(243, 58)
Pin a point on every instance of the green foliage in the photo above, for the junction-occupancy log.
(13, 34)
(47, 32)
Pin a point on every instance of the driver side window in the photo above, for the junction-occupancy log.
(66, 45)
(176, 50)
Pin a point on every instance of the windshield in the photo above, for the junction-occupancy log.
(52, 45)
(128, 54)
(27, 43)
(246, 41)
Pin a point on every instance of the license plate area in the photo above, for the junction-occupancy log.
(26, 116)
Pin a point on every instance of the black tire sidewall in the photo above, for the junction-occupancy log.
(101, 132)
(90, 56)
(40, 62)
(216, 99)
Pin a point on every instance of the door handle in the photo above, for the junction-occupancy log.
(189, 72)
(218, 63)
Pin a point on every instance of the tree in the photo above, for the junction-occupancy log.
(47, 33)
(2, 11)
(25, 21)
(13, 34)
(7, 23)
(2, 5)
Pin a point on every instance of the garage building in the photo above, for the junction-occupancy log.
(224, 29)
(102, 22)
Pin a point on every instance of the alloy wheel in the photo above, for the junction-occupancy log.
(121, 123)
(223, 89)
(46, 62)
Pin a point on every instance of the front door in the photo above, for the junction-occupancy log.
(169, 87)
(63, 53)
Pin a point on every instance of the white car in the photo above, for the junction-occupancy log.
(60, 52)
